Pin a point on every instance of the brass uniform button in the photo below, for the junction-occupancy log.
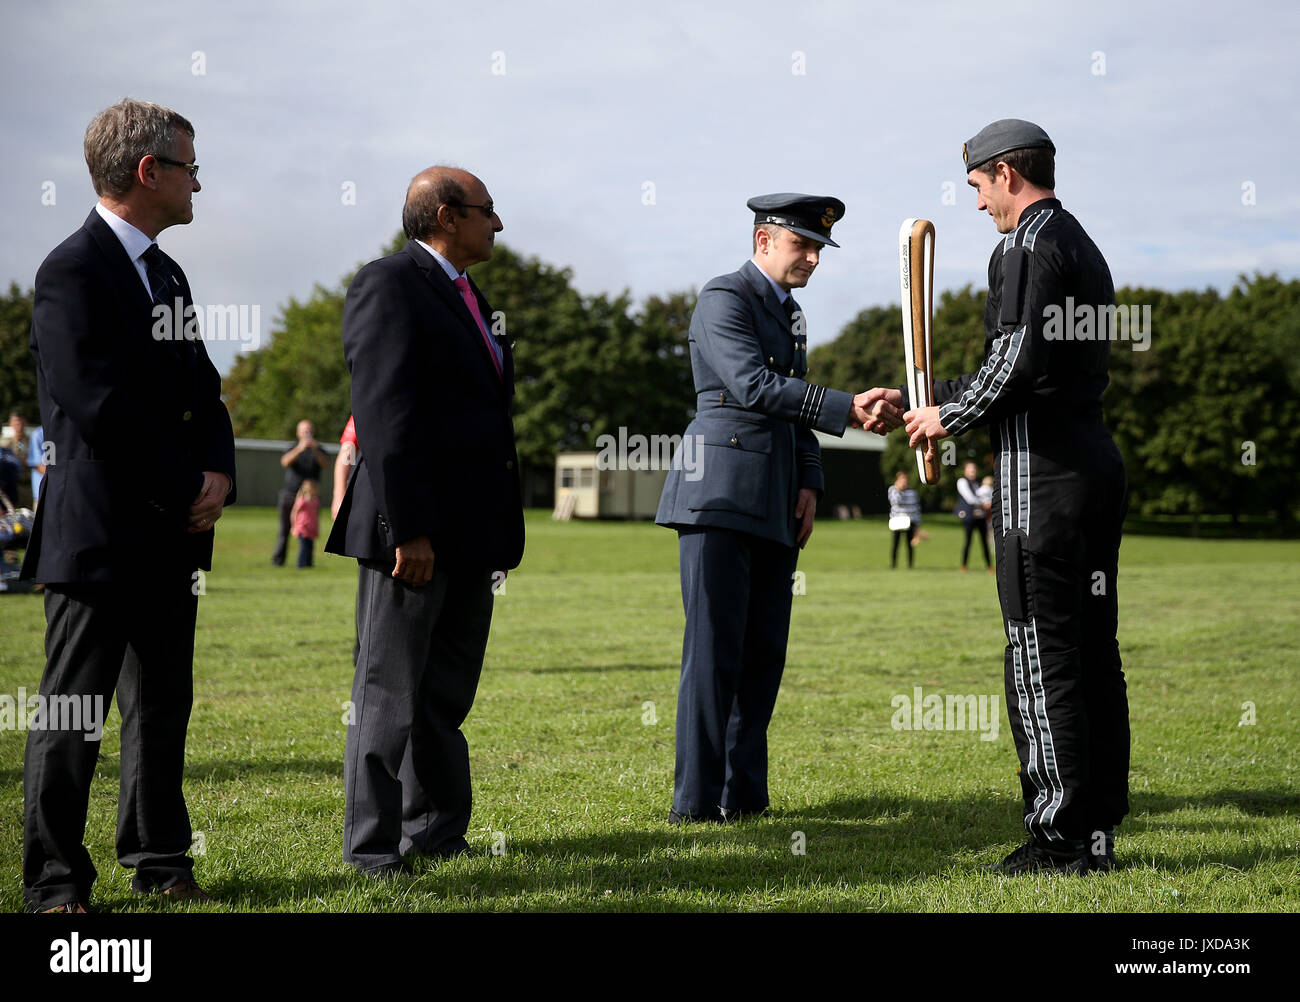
(735, 440)
(186, 416)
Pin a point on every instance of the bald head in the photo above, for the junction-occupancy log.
(428, 191)
(450, 210)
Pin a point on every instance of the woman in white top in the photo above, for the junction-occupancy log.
(904, 516)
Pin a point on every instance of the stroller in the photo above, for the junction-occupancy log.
(15, 530)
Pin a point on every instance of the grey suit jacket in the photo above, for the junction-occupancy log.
(750, 448)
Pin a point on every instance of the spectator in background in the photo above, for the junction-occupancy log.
(11, 472)
(16, 439)
(303, 462)
(344, 463)
(306, 519)
(36, 462)
(904, 516)
(972, 514)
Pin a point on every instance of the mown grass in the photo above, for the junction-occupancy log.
(572, 738)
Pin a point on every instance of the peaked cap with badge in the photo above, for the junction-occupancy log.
(808, 215)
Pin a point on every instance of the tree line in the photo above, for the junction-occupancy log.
(1207, 417)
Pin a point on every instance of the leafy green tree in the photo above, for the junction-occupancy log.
(583, 366)
(300, 373)
(869, 352)
(1207, 418)
(18, 387)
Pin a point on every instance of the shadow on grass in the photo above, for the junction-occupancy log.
(858, 845)
(843, 852)
(1261, 803)
(213, 771)
(840, 843)
(585, 669)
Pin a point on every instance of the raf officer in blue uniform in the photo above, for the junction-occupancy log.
(745, 508)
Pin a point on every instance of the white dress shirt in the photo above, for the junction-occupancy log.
(134, 242)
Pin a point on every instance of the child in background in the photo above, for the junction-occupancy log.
(306, 520)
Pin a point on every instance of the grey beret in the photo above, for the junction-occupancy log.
(1003, 136)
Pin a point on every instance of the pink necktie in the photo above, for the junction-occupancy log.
(467, 294)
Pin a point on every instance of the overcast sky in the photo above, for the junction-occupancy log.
(1175, 126)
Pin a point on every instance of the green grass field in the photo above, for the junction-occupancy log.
(571, 738)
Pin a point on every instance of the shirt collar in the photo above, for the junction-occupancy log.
(1034, 208)
(781, 294)
(447, 266)
(133, 240)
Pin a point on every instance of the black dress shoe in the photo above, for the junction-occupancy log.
(185, 889)
(675, 818)
(450, 849)
(1070, 857)
(732, 815)
(1101, 851)
(387, 871)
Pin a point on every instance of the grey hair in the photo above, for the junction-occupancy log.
(119, 137)
(420, 211)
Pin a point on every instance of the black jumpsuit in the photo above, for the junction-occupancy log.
(1058, 506)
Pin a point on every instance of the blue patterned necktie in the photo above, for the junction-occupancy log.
(161, 292)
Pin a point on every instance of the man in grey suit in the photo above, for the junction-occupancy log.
(432, 513)
(746, 507)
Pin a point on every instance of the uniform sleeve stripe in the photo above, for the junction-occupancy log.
(1031, 234)
(1026, 233)
(811, 408)
(987, 385)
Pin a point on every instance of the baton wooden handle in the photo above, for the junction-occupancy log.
(920, 281)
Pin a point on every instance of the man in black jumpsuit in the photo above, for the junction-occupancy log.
(1058, 503)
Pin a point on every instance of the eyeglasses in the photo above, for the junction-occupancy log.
(192, 168)
(486, 208)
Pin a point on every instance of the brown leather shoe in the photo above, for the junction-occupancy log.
(186, 890)
(67, 908)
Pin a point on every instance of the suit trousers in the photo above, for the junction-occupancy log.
(137, 637)
(737, 591)
(406, 767)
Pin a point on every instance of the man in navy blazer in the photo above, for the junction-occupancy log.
(433, 514)
(141, 463)
(745, 506)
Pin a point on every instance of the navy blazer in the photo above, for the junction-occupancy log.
(133, 420)
(752, 440)
(433, 422)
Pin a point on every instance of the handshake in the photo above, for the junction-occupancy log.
(877, 410)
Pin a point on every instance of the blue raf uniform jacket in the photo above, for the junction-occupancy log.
(751, 447)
